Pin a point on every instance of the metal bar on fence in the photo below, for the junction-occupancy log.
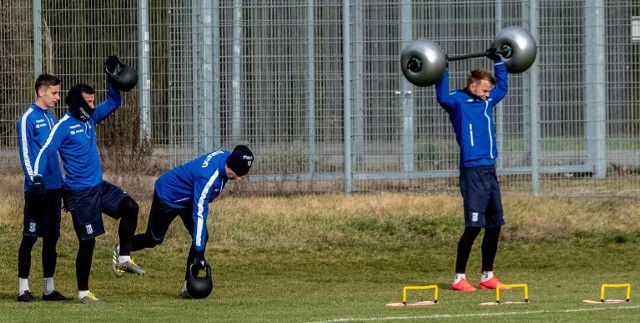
(37, 38)
(311, 99)
(407, 100)
(347, 96)
(356, 77)
(499, 111)
(207, 77)
(595, 105)
(534, 101)
(215, 61)
(144, 82)
(236, 78)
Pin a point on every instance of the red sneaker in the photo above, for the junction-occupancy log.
(493, 283)
(463, 285)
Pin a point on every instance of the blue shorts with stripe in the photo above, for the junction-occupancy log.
(42, 213)
(481, 196)
(86, 208)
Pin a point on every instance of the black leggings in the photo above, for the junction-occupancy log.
(83, 263)
(489, 248)
(49, 256)
(127, 212)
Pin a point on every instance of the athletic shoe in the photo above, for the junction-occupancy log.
(463, 285)
(54, 296)
(91, 299)
(119, 268)
(26, 297)
(114, 260)
(493, 283)
(185, 295)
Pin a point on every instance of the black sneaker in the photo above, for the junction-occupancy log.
(54, 296)
(26, 297)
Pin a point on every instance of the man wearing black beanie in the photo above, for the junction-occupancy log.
(186, 192)
(85, 194)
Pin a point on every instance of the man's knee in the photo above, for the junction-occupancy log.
(128, 207)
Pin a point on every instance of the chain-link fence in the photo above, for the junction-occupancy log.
(315, 88)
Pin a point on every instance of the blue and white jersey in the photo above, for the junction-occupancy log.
(76, 142)
(34, 127)
(472, 118)
(195, 184)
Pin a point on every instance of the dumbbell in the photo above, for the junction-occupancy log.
(423, 61)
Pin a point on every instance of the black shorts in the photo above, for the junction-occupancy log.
(87, 206)
(42, 213)
(160, 217)
(481, 196)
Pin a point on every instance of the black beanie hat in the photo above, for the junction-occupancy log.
(78, 106)
(240, 160)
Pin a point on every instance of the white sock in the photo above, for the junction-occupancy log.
(459, 277)
(184, 286)
(83, 293)
(486, 275)
(48, 285)
(23, 285)
(122, 259)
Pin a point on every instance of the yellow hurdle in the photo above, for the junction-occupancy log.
(406, 288)
(523, 286)
(604, 286)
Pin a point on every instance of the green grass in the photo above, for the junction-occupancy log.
(334, 258)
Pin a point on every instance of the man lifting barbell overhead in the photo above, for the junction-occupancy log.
(471, 114)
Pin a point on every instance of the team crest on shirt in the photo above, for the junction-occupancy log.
(32, 227)
(89, 228)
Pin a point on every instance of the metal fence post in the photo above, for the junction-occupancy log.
(596, 102)
(144, 82)
(534, 102)
(37, 38)
(347, 95)
(311, 98)
(406, 95)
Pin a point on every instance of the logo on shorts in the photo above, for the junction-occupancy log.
(474, 216)
(89, 228)
(32, 227)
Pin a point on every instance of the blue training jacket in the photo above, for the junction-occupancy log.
(194, 185)
(472, 118)
(78, 147)
(33, 127)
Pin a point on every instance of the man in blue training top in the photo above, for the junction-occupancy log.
(85, 194)
(471, 114)
(186, 191)
(41, 211)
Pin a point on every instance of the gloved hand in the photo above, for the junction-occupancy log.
(111, 63)
(492, 54)
(199, 262)
(38, 186)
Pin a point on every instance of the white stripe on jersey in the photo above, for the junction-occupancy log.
(201, 201)
(46, 144)
(25, 143)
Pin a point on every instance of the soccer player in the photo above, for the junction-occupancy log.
(85, 194)
(471, 114)
(41, 204)
(186, 192)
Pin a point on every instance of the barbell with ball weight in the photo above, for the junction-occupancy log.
(423, 61)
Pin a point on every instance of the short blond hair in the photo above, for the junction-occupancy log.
(480, 74)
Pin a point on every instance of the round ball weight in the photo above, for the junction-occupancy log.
(422, 62)
(523, 48)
